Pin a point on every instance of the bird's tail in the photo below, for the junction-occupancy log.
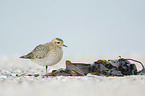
(29, 56)
(22, 57)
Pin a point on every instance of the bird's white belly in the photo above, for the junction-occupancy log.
(52, 59)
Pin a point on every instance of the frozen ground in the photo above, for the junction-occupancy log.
(12, 85)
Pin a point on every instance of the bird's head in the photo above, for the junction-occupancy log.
(59, 42)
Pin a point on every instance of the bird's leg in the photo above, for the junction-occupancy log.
(46, 69)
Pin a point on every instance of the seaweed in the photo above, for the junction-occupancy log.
(118, 67)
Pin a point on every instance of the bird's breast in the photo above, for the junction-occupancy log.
(52, 57)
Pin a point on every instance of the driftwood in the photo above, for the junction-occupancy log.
(119, 67)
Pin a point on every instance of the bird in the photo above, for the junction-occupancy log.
(47, 54)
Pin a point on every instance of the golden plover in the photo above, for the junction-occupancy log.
(47, 54)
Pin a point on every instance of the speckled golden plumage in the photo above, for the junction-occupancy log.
(47, 54)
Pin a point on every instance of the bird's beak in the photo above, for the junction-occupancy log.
(64, 45)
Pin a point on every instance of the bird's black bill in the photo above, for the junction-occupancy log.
(64, 45)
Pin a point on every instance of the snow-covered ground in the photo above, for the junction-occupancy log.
(12, 85)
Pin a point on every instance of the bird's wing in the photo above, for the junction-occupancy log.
(39, 52)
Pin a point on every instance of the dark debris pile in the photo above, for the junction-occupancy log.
(119, 67)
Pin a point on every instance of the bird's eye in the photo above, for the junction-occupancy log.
(58, 42)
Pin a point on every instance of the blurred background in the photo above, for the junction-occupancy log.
(92, 30)
(88, 27)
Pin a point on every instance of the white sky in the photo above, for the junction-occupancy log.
(88, 27)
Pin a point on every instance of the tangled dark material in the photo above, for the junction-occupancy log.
(119, 67)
